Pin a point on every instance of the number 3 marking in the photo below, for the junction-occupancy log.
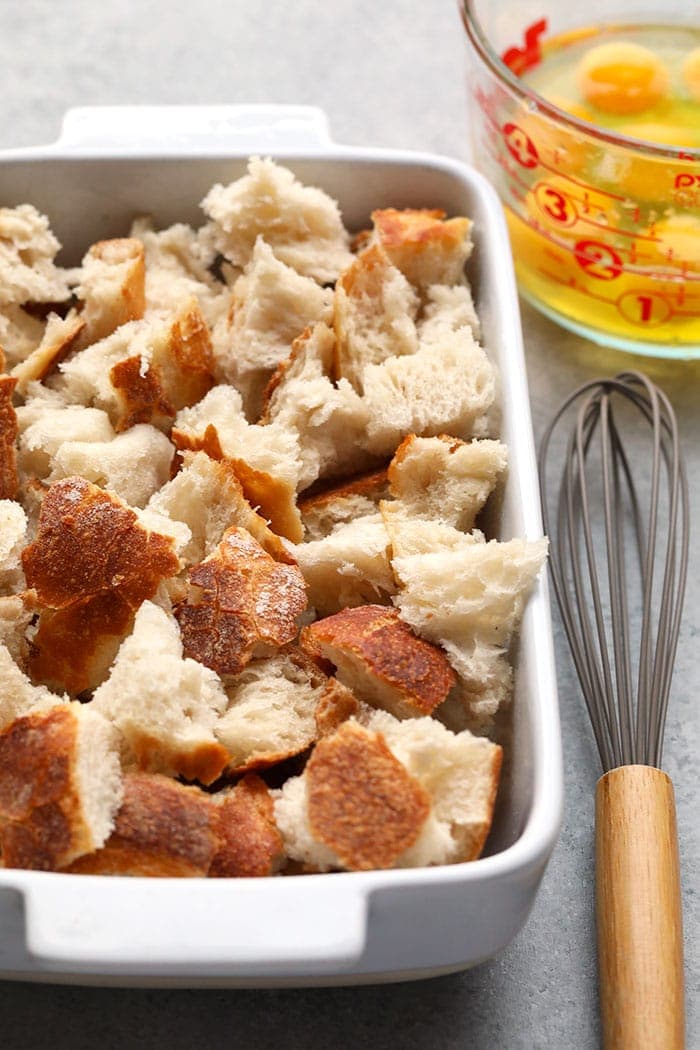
(556, 206)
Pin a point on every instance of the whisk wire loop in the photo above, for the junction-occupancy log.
(627, 712)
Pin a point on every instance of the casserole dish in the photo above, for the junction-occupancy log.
(108, 166)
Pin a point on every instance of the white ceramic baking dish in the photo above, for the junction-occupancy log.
(109, 165)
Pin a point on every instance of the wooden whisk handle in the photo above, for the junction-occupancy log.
(640, 937)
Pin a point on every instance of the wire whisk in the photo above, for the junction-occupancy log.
(619, 541)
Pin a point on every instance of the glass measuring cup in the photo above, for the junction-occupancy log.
(605, 228)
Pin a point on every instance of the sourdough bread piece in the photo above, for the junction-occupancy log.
(92, 564)
(8, 439)
(349, 567)
(466, 596)
(133, 465)
(163, 829)
(17, 612)
(27, 252)
(46, 421)
(445, 479)
(301, 224)
(427, 248)
(60, 337)
(354, 807)
(266, 459)
(60, 786)
(240, 603)
(111, 287)
(329, 418)
(446, 387)
(270, 305)
(20, 333)
(164, 704)
(177, 268)
(375, 313)
(342, 503)
(250, 846)
(145, 371)
(459, 772)
(18, 694)
(271, 714)
(207, 497)
(382, 661)
(13, 535)
(447, 308)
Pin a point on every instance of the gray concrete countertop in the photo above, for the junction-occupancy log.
(392, 75)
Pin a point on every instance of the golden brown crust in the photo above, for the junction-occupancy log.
(280, 373)
(141, 395)
(425, 246)
(362, 803)
(250, 844)
(395, 228)
(89, 542)
(205, 762)
(162, 829)
(74, 647)
(404, 450)
(241, 597)
(377, 641)
(336, 705)
(8, 438)
(41, 823)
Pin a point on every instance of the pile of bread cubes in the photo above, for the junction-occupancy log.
(247, 624)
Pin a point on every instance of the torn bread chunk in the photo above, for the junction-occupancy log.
(240, 602)
(45, 422)
(8, 439)
(27, 252)
(382, 661)
(13, 533)
(133, 465)
(447, 308)
(425, 246)
(111, 287)
(446, 387)
(60, 786)
(329, 419)
(177, 268)
(446, 479)
(18, 694)
(301, 224)
(163, 829)
(348, 567)
(272, 707)
(145, 371)
(164, 704)
(265, 458)
(355, 498)
(270, 305)
(459, 772)
(355, 806)
(250, 846)
(375, 313)
(92, 564)
(60, 337)
(468, 598)
(17, 611)
(20, 333)
(207, 497)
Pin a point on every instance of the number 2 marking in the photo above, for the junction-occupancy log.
(598, 260)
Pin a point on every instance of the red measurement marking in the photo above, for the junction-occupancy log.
(584, 186)
(598, 260)
(520, 59)
(556, 206)
(644, 308)
(520, 146)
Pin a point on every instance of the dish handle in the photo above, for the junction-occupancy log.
(135, 129)
(180, 927)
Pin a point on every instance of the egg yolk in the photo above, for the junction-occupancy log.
(622, 78)
(691, 73)
(576, 109)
